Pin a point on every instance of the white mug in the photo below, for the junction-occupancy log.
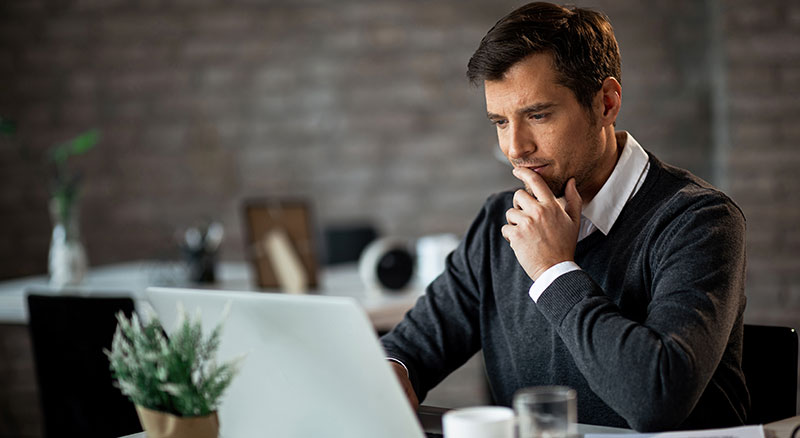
(479, 422)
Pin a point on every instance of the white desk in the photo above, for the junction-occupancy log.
(583, 429)
(132, 278)
(778, 429)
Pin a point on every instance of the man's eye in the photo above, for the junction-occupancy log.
(538, 116)
(499, 123)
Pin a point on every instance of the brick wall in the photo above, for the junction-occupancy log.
(359, 106)
(362, 108)
(763, 65)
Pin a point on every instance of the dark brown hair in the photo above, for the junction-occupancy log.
(581, 42)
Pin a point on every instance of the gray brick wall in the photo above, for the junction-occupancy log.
(763, 55)
(362, 107)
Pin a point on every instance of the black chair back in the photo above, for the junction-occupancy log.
(68, 335)
(769, 362)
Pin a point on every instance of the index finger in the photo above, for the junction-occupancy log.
(535, 183)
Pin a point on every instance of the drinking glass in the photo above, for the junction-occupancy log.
(546, 412)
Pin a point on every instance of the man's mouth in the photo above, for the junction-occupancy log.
(536, 168)
(534, 165)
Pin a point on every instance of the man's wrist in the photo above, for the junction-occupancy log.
(549, 276)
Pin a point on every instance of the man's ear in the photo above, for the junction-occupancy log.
(610, 101)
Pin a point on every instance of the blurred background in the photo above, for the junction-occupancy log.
(362, 108)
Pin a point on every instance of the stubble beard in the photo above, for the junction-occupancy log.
(582, 175)
(557, 186)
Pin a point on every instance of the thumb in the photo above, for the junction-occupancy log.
(574, 201)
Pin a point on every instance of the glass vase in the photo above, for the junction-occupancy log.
(67, 262)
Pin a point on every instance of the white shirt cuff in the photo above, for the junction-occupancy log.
(549, 276)
(401, 364)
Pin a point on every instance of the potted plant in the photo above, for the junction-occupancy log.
(174, 382)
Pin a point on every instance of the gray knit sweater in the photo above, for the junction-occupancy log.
(649, 332)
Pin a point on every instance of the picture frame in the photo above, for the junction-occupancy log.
(293, 218)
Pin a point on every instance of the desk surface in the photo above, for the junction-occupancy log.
(778, 429)
(431, 419)
(132, 278)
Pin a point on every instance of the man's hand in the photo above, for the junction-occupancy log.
(541, 231)
(402, 376)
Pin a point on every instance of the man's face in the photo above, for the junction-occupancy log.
(541, 125)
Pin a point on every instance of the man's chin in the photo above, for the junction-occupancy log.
(557, 188)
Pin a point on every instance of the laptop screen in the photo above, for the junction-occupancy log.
(313, 365)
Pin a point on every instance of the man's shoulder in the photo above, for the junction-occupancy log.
(681, 189)
(681, 176)
(493, 211)
(502, 200)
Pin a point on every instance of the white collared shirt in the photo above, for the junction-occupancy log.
(601, 213)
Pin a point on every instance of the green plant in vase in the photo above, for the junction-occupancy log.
(66, 184)
(67, 262)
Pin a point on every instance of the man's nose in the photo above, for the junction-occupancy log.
(520, 142)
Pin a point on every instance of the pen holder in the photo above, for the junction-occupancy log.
(201, 265)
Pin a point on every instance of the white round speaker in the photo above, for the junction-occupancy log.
(387, 264)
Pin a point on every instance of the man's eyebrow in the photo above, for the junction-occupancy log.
(493, 116)
(534, 108)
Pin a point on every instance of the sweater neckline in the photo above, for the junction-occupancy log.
(631, 206)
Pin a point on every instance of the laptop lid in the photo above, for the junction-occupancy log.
(314, 366)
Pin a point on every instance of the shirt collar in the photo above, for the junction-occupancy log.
(624, 181)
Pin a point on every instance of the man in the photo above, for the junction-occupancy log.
(612, 273)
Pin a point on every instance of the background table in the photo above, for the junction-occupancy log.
(385, 309)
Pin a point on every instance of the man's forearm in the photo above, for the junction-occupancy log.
(653, 369)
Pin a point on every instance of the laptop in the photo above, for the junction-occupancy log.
(314, 366)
